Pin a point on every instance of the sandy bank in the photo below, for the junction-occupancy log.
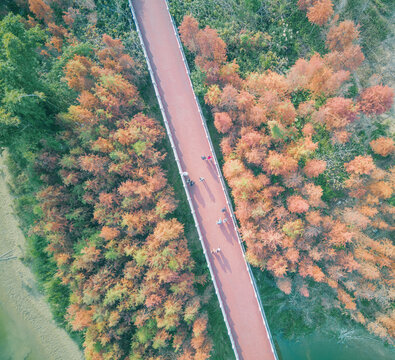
(33, 330)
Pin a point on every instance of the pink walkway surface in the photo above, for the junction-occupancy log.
(229, 268)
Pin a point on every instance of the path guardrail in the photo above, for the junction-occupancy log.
(224, 188)
(180, 170)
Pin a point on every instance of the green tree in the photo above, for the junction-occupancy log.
(22, 93)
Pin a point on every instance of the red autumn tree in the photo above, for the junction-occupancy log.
(285, 112)
(383, 146)
(77, 73)
(188, 31)
(360, 165)
(260, 84)
(317, 75)
(229, 74)
(279, 164)
(381, 189)
(346, 299)
(228, 101)
(349, 59)
(81, 318)
(109, 233)
(339, 112)
(210, 46)
(314, 167)
(296, 204)
(42, 10)
(341, 36)
(314, 193)
(222, 122)
(376, 100)
(320, 12)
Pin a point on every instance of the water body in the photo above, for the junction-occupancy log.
(330, 336)
(352, 345)
(15, 339)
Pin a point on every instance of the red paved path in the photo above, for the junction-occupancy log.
(229, 268)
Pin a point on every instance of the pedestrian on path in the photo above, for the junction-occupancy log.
(219, 222)
(209, 157)
(191, 182)
(218, 250)
(223, 210)
(203, 157)
(213, 251)
(201, 179)
(225, 220)
(185, 174)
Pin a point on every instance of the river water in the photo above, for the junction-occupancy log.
(347, 345)
(16, 339)
(357, 345)
(330, 336)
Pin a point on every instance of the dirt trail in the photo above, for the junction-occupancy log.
(32, 333)
(229, 266)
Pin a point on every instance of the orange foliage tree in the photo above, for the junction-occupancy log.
(280, 184)
(376, 99)
(383, 146)
(107, 215)
(41, 10)
(320, 12)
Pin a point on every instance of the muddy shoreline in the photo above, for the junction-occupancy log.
(29, 331)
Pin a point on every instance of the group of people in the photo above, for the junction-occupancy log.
(201, 179)
(220, 220)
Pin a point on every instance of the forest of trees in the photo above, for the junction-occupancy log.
(113, 259)
(306, 154)
(309, 165)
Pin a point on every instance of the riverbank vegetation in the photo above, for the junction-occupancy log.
(306, 155)
(91, 189)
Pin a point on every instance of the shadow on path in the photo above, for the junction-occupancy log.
(196, 194)
(223, 262)
(209, 192)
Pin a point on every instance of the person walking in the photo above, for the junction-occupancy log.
(225, 220)
(209, 157)
(218, 250)
(223, 210)
(201, 179)
(185, 174)
(219, 222)
(203, 157)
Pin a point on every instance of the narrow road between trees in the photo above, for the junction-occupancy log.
(246, 324)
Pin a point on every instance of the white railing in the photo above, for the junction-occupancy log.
(180, 170)
(224, 188)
